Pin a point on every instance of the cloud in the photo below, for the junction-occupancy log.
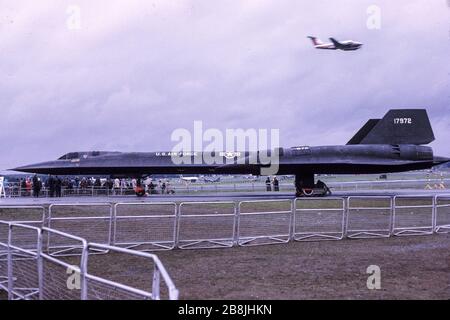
(136, 71)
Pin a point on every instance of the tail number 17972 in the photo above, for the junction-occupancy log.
(402, 121)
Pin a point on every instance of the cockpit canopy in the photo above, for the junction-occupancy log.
(84, 155)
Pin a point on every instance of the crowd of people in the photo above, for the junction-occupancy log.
(34, 186)
(54, 185)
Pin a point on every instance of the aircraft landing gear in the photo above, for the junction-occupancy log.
(305, 186)
(303, 183)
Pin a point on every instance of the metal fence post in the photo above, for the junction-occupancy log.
(391, 222)
(177, 224)
(10, 265)
(292, 220)
(346, 215)
(394, 209)
(237, 209)
(112, 224)
(40, 265)
(83, 271)
(156, 284)
(433, 219)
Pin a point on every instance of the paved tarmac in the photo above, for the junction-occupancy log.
(231, 196)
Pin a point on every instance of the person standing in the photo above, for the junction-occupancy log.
(151, 187)
(83, 183)
(97, 183)
(20, 186)
(108, 185)
(268, 184)
(116, 186)
(169, 188)
(58, 186)
(276, 186)
(28, 186)
(51, 186)
(36, 186)
(70, 185)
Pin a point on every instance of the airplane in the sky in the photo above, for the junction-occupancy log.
(347, 45)
(394, 143)
(189, 179)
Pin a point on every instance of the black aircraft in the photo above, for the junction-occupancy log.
(392, 144)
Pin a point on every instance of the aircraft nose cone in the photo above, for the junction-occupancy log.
(33, 168)
(30, 169)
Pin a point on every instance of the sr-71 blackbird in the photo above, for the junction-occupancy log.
(394, 143)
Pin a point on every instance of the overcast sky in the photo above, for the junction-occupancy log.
(131, 72)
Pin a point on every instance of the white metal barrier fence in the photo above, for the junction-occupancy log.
(13, 189)
(64, 277)
(319, 219)
(206, 225)
(110, 289)
(150, 226)
(413, 215)
(23, 262)
(264, 222)
(82, 220)
(145, 226)
(442, 214)
(4, 256)
(32, 273)
(369, 220)
(30, 215)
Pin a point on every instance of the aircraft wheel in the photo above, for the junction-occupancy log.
(308, 192)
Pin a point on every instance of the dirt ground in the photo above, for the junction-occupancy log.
(411, 268)
(415, 267)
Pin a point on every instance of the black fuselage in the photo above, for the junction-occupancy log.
(349, 159)
(394, 143)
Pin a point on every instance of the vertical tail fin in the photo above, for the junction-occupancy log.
(399, 126)
(362, 133)
(315, 40)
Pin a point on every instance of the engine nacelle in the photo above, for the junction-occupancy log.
(412, 152)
